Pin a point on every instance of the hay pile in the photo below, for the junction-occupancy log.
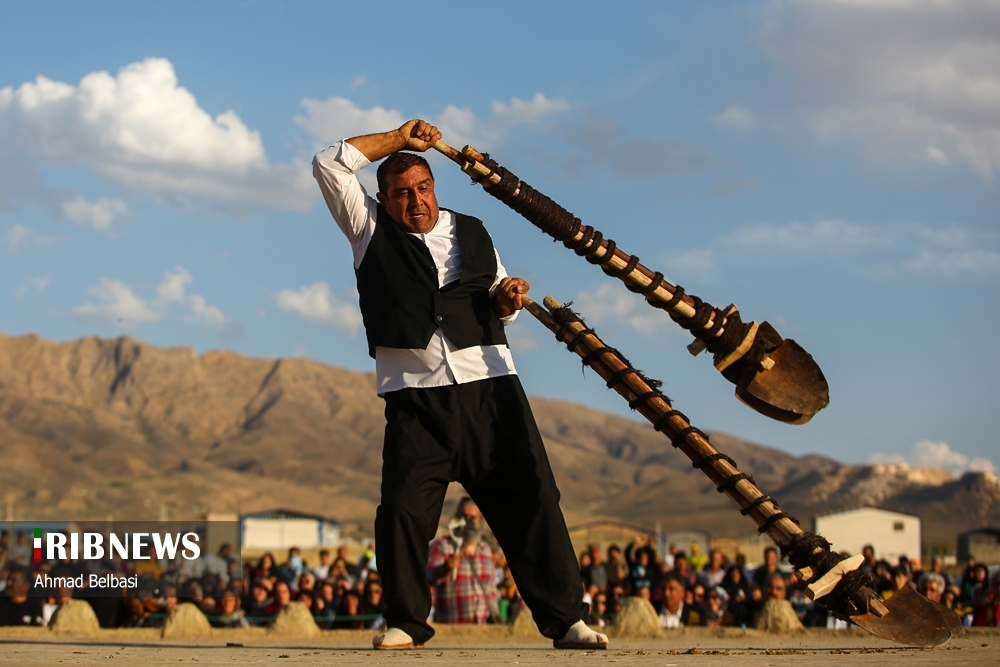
(294, 621)
(636, 619)
(777, 616)
(75, 618)
(523, 625)
(185, 621)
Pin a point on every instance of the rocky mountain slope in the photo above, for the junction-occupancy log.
(95, 427)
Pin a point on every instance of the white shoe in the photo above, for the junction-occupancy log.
(394, 638)
(579, 636)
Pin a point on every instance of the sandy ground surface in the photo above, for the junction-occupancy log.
(689, 649)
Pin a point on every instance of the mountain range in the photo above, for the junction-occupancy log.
(98, 427)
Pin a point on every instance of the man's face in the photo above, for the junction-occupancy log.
(409, 200)
(776, 589)
(673, 593)
(470, 512)
(282, 595)
(228, 605)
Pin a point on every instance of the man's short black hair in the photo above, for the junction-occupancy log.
(673, 576)
(396, 164)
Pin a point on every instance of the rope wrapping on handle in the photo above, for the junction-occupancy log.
(562, 225)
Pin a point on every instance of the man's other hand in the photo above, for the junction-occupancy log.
(418, 135)
(507, 296)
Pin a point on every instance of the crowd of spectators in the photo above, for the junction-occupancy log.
(694, 588)
(470, 583)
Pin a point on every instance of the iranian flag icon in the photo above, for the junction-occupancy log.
(38, 544)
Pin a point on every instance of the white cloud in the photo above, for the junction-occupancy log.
(937, 454)
(826, 235)
(316, 304)
(611, 301)
(171, 288)
(950, 252)
(358, 81)
(34, 285)
(212, 318)
(909, 80)
(140, 131)
(117, 306)
(736, 118)
(338, 117)
(973, 263)
(100, 214)
(17, 235)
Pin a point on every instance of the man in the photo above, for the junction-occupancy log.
(463, 576)
(16, 607)
(675, 612)
(715, 573)
(596, 574)
(764, 573)
(435, 299)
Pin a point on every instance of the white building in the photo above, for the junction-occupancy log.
(892, 534)
(284, 529)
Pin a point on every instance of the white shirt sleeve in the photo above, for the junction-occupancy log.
(349, 203)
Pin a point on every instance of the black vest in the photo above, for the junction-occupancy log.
(401, 303)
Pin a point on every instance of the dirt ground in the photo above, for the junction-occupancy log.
(690, 648)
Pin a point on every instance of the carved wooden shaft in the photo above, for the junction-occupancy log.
(744, 492)
(470, 160)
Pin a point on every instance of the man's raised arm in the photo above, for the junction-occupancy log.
(414, 135)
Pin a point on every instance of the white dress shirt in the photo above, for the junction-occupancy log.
(440, 363)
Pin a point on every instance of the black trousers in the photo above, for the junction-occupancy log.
(483, 435)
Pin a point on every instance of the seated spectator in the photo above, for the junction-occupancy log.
(641, 574)
(322, 571)
(676, 612)
(985, 595)
(16, 607)
(282, 596)
(308, 599)
(325, 605)
(265, 566)
(615, 566)
(713, 575)
(763, 573)
(292, 568)
(145, 605)
(353, 570)
(229, 614)
(307, 582)
(372, 606)
(349, 612)
(598, 611)
(596, 574)
(932, 586)
(260, 601)
(900, 578)
(683, 569)
(697, 560)
(714, 609)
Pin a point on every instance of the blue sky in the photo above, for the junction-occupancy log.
(828, 166)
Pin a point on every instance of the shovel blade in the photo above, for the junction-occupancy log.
(913, 620)
(792, 391)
